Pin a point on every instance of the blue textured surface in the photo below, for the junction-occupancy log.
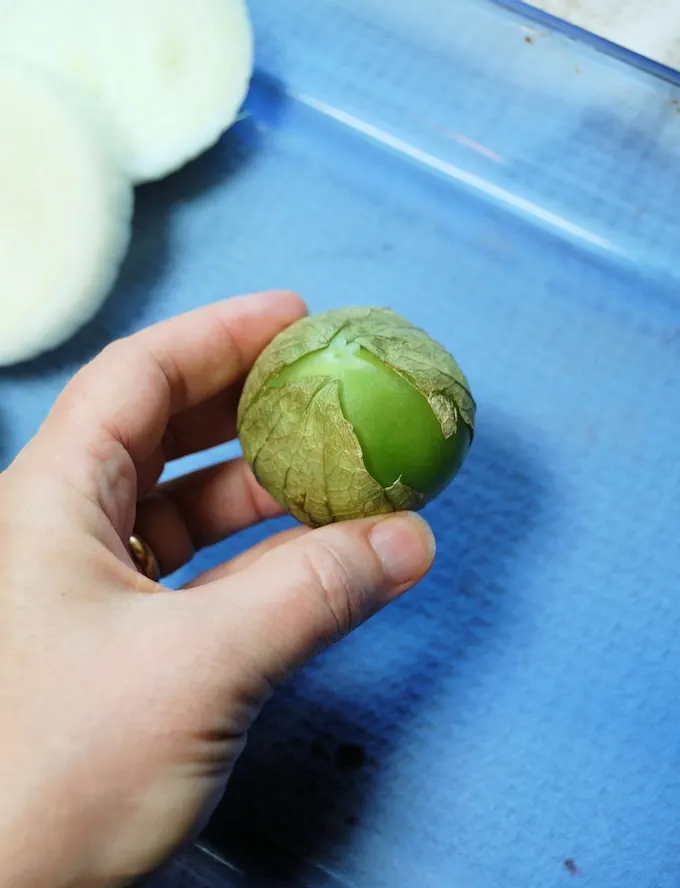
(515, 193)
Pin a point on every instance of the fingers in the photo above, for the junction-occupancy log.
(200, 509)
(300, 597)
(199, 428)
(129, 393)
(249, 557)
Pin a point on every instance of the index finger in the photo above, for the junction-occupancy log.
(129, 392)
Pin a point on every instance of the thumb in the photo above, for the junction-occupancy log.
(302, 596)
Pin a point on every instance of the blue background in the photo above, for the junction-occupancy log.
(515, 720)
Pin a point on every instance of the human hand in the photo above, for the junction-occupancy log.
(124, 705)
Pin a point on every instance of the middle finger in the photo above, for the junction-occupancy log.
(197, 429)
(199, 509)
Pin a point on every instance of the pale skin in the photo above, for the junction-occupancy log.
(124, 705)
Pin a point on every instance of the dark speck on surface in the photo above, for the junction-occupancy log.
(351, 757)
(387, 248)
(570, 866)
(528, 39)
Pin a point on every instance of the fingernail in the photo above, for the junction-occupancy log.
(405, 545)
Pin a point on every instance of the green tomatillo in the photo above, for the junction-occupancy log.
(354, 412)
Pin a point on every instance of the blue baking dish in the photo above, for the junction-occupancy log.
(514, 720)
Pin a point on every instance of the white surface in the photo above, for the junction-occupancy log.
(651, 28)
(65, 210)
(172, 74)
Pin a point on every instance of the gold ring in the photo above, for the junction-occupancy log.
(144, 559)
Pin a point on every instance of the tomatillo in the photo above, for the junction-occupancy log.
(354, 412)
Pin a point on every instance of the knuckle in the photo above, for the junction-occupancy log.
(337, 589)
(228, 344)
(114, 355)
